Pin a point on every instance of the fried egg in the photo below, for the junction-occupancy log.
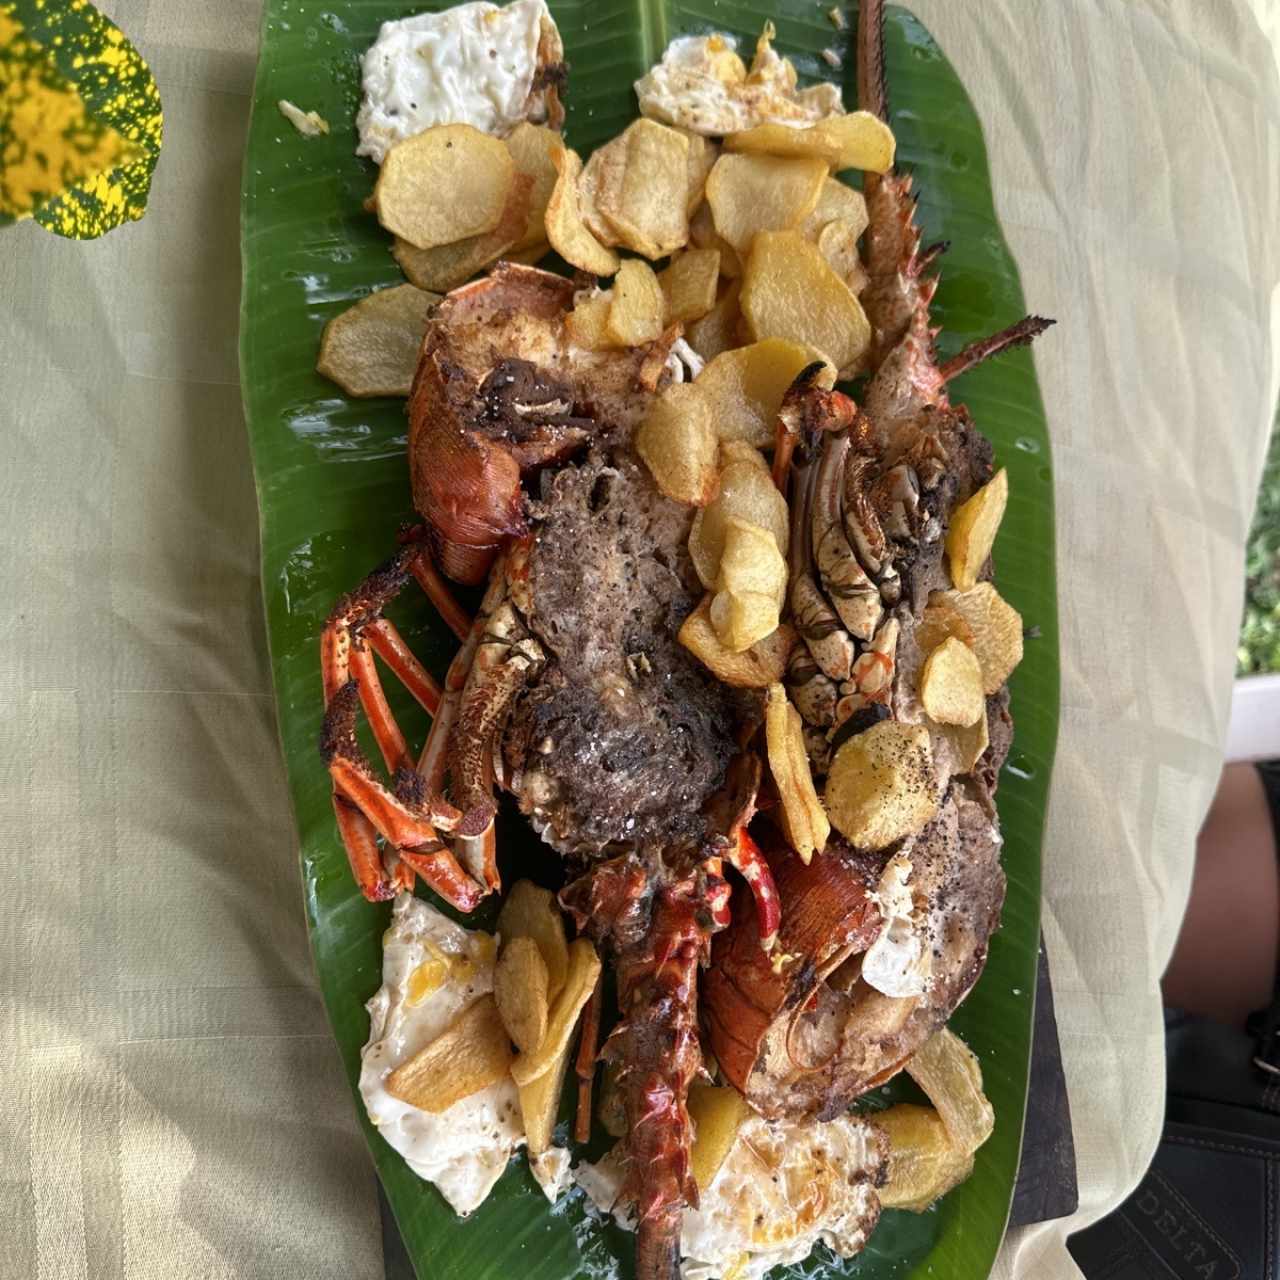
(473, 64)
(702, 85)
(783, 1187)
(432, 969)
(900, 961)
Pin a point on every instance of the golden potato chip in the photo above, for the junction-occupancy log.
(747, 385)
(703, 154)
(789, 291)
(448, 265)
(520, 990)
(940, 620)
(924, 1163)
(531, 912)
(996, 627)
(749, 194)
(968, 744)
(689, 284)
(804, 820)
(638, 307)
(371, 349)
(751, 562)
(717, 1113)
(534, 149)
(857, 140)
(743, 619)
(972, 531)
(951, 685)
(717, 330)
(746, 491)
(470, 1055)
(732, 451)
(949, 1073)
(881, 785)
(587, 324)
(540, 1102)
(756, 667)
(642, 188)
(566, 231)
(529, 257)
(448, 183)
(836, 202)
(584, 969)
(839, 246)
(678, 445)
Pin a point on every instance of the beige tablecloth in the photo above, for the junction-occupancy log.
(172, 1106)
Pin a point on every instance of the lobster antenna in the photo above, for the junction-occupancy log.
(1016, 335)
(872, 93)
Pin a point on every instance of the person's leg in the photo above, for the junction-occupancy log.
(1224, 963)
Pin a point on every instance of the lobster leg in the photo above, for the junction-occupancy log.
(747, 859)
(386, 732)
(585, 1067)
(360, 839)
(389, 645)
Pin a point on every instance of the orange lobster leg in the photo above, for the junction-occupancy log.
(585, 1067)
(389, 645)
(1016, 335)
(386, 732)
(430, 580)
(751, 864)
(361, 843)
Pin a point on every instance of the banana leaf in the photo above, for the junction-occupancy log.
(333, 490)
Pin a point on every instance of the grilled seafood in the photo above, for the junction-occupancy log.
(570, 691)
(871, 488)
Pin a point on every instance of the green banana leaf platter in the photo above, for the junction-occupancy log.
(333, 489)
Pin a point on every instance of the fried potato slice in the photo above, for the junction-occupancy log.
(448, 183)
(751, 562)
(567, 233)
(967, 744)
(642, 188)
(717, 330)
(689, 284)
(587, 324)
(749, 194)
(790, 291)
(756, 667)
(881, 785)
(534, 149)
(717, 1113)
(638, 306)
(679, 446)
(951, 685)
(748, 493)
(744, 618)
(924, 1164)
(520, 990)
(996, 627)
(747, 385)
(940, 620)
(836, 202)
(584, 970)
(972, 531)
(446, 266)
(471, 1054)
(540, 1102)
(839, 246)
(371, 349)
(531, 912)
(804, 820)
(703, 153)
(856, 140)
(949, 1073)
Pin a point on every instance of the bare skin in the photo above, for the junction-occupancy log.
(1224, 962)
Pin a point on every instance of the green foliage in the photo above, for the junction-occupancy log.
(1259, 648)
(80, 119)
